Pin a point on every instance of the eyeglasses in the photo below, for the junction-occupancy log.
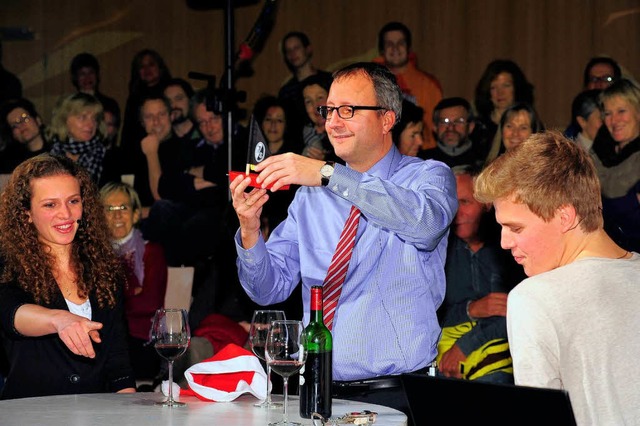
(24, 119)
(445, 122)
(602, 79)
(112, 209)
(345, 111)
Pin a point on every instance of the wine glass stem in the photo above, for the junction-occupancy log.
(285, 387)
(268, 400)
(170, 399)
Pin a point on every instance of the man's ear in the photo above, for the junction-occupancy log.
(569, 220)
(388, 120)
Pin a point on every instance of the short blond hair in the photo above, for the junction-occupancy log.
(545, 172)
(75, 104)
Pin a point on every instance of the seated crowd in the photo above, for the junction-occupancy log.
(157, 177)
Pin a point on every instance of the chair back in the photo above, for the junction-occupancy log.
(179, 285)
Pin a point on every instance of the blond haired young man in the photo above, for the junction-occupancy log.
(571, 324)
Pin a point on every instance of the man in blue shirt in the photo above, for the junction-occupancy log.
(385, 323)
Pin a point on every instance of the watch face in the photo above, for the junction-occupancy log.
(326, 170)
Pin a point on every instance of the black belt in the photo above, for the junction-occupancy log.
(353, 387)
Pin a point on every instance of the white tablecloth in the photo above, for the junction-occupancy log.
(139, 410)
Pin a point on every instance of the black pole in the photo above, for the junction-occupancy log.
(229, 53)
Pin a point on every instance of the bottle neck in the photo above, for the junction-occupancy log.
(316, 306)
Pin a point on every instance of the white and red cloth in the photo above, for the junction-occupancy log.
(225, 376)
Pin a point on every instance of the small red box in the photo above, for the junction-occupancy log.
(253, 176)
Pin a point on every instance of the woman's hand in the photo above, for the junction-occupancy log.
(77, 333)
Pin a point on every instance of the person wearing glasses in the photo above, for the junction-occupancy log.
(385, 321)
(145, 267)
(600, 73)
(453, 123)
(22, 127)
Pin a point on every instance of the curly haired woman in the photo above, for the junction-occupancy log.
(61, 311)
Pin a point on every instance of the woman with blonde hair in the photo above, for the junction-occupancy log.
(61, 310)
(77, 131)
(616, 154)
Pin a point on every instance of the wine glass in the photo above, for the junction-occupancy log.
(285, 354)
(260, 324)
(171, 336)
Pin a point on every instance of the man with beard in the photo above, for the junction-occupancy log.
(188, 183)
(453, 122)
(179, 92)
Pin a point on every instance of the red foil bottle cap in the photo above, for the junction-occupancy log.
(316, 298)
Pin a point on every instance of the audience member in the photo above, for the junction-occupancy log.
(189, 182)
(502, 84)
(518, 122)
(586, 117)
(568, 324)
(77, 131)
(61, 299)
(273, 116)
(85, 76)
(113, 122)
(474, 344)
(115, 159)
(154, 116)
(149, 75)
(146, 274)
(215, 283)
(297, 53)
(315, 90)
(419, 87)
(23, 129)
(600, 73)
(616, 154)
(179, 92)
(453, 122)
(407, 134)
(406, 204)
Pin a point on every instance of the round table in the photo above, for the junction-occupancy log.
(138, 409)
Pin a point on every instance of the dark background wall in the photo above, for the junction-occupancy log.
(455, 39)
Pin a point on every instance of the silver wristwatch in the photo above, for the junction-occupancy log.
(326, 171)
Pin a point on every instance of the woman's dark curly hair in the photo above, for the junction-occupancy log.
(30, 263)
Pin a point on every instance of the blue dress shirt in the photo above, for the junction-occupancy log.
(385, 322)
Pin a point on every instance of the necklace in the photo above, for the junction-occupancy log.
(624, 255)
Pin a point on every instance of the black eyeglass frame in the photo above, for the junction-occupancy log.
(324, 110)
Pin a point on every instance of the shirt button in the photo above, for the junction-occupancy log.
(74, 378)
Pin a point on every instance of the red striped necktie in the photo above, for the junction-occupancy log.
(339, 265)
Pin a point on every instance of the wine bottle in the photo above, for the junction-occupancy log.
(316, 375)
